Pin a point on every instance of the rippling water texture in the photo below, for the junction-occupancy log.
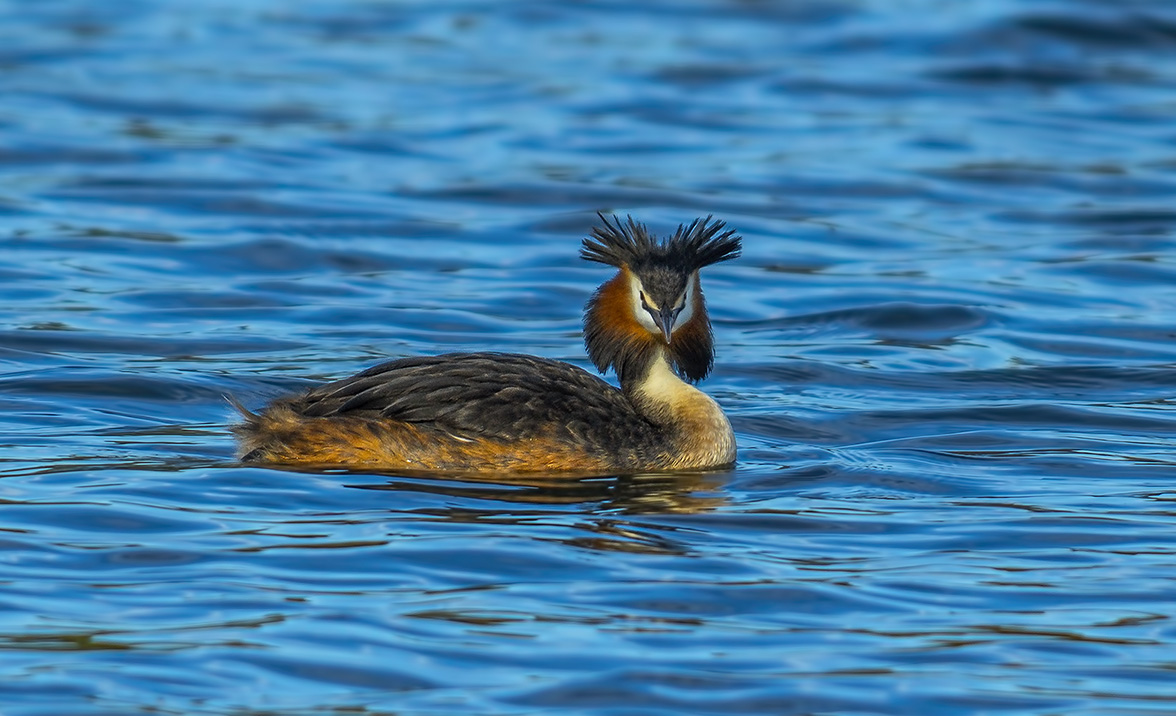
(947, 352)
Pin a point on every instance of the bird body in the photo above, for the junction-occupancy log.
(513, 413)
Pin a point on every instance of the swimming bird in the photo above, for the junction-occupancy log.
(513, 413)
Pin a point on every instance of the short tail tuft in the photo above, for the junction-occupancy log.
(246, 413)
(251, 434)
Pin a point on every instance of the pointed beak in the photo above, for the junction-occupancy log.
(665, 321)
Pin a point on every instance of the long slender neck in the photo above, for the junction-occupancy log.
(658, 391)
(693, 421)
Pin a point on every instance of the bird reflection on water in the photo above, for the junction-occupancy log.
(643, 493)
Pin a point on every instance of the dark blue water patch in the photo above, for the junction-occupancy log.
(1108, 181)
(358, 675)
(705, 75)
(197, 202)
(607, 198)
(1044, 77)
(1097, 247)
(866, 426)
(274, 115)
(392, 231)
(917, 323)
(1121, 351)
(78, 383)
(17, 58)
(1132, 31)
(196, 186)
(716, 694)
(62, 342)
(1140, 220)
(1042, 384)
(1028, 37)
(72, 156)
(88, 520)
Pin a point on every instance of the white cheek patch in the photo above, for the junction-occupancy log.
(642, 315)
(687, 309)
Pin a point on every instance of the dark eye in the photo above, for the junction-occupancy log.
(644, 302)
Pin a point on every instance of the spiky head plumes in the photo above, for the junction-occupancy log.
(692, 246)
(656, 298)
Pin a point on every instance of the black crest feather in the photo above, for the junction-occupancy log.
(700, 243)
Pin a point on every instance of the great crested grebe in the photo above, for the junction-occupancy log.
(512, 413)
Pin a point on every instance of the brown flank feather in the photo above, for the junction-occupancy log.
(280, 435)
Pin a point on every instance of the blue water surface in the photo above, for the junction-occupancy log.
(948, 353)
